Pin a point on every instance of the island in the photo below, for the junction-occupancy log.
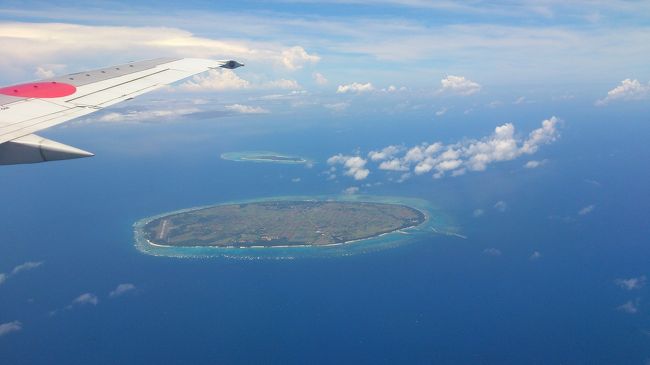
(264, 156)
(281, 223)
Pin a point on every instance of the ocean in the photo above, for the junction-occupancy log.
(486, 299)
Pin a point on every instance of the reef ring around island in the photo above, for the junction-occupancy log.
(265, 157)
(434, 221)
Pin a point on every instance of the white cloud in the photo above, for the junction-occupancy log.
(7, 328)
(319, 78)
(478, 212)
(494, 104)
(469, 154)
(385, 153)
(536, 255)
(29, 265)
(459, 85)
(393, 89)
(351, 190)
(501, 206)
(28, 45)
(223, 79)
(85, 298)
(403, 177)
(440, 112)
(546, 134)
(296, 57)
(520, 100)
(154, 115)
(533, 164)
(393, 165)
(216, 80)
(296, 180)
(337, 107)
(43, 73)
(631, 283)
(586, 210)
(121, 290)
(355, 87)
(629, 89)
(354, 165)
(246, 109)
(284, 84)
(492, 251)
(631, 306)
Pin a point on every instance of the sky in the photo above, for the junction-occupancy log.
(408, 96)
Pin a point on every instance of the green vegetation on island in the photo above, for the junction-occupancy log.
(280, 223)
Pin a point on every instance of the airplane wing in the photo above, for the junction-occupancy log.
(28, 108)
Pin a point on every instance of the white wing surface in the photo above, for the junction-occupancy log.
(31, 107)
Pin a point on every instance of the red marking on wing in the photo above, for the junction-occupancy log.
(50, 89)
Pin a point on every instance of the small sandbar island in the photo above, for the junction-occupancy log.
(264, 156)
(289, 227)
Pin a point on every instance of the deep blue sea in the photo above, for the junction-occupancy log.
(440, 300)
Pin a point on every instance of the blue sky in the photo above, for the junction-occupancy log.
(584, 47)
(440, 61)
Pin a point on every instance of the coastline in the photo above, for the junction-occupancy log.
(360, 245)
(253, 156)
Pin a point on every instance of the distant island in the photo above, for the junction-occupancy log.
(279, 223)
(264, 156)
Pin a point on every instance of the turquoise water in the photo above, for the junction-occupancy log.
(253, 156)
(431, 299)
(437, 222)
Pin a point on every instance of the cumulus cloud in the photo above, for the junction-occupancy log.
(440, 112)
(354, 165)
(586, 210)
(385, 153)
(469, 154)
(492, 251)
(3, 278)
(9, 327)
(29, 44)
(478, 212)
(629, 89)
(84, 299)
(216, 80)
(296, 57)
(459, 85)
(223, 79)
(121, 290)
(393, 165)
(536, 255)
(631, 283)
(246, 109)
(631, 306)
(355, 87)
(319, 78)
(533, 164)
